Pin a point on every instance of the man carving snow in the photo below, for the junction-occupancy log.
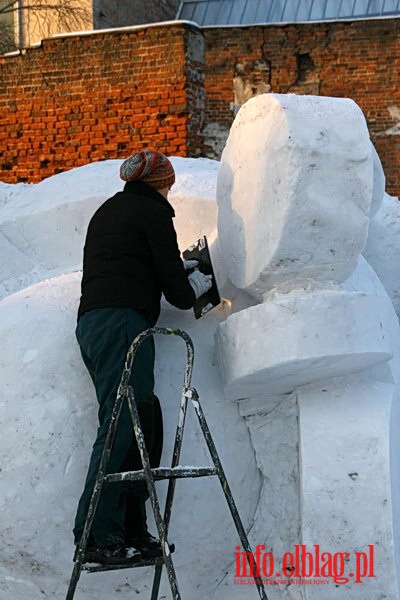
(131, 257)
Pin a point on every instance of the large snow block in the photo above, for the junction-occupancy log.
(345, 483)
(294, 190)
(273, 348)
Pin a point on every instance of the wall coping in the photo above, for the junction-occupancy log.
(159, 24)
(188, 24)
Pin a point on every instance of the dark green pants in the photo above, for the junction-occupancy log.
(104, 336)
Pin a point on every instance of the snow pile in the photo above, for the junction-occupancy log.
(49, 411)
(42, 226)
(382, 247)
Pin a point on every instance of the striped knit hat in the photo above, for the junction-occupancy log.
(149, 166)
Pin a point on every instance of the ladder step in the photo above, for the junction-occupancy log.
(162, 473)
(95, 568)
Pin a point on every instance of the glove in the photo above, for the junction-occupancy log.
(190, 264)
(200, 283)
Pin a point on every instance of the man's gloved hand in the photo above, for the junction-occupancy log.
(190, 264)
(200, 283)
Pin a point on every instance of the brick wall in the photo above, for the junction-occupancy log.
(78, 99)
(82, 98)
(359, 60)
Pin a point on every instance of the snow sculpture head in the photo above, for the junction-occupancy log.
(284, 215)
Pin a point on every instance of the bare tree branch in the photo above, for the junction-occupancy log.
(10, 7)
(60, 6)
(7, 39)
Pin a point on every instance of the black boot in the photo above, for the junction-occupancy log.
(116, 554)
(136, 532)
(147, 545)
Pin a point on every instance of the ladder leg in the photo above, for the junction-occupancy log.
(177, 448)
(171, 484)
(74, 580)
(153, 495)
(95, 496)
(156, 583)
(176, 454)
(225, 487)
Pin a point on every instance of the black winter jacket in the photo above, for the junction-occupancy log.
(131, 255)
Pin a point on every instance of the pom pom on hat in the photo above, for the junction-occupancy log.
(149, 166)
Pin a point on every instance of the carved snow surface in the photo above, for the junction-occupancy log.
(294, 191)
(291, 342)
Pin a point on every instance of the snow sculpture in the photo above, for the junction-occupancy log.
(295, 185)
(324, 384)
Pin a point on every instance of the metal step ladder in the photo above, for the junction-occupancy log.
(150, 475)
